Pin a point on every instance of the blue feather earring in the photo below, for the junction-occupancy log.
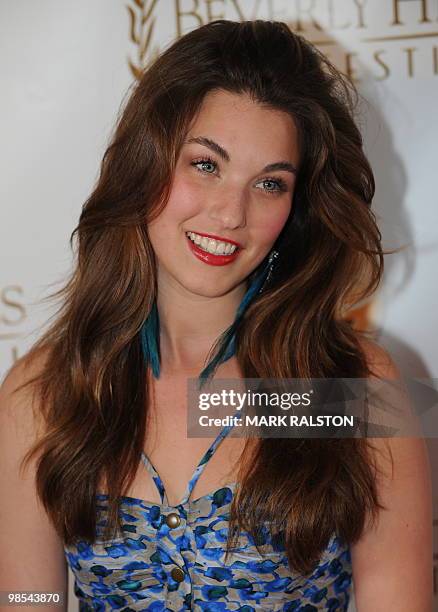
(150, 331)
(150, 335)
(227, 346)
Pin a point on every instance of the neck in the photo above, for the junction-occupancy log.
(190, 324)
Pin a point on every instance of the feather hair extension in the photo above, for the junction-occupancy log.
(150, 331)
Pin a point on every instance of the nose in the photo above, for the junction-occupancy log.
(229, 210)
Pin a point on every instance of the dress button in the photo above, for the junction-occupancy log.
(177, 574)
(172, 520)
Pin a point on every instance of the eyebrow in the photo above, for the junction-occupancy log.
(214, 146)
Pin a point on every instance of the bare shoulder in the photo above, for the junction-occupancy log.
(19, 406)
(392, 561)
(379, 360)
(24, 523)
(23, 370)
(21, 417)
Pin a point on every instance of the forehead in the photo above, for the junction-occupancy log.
(238, 122)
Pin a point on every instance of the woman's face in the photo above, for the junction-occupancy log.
(232, 185)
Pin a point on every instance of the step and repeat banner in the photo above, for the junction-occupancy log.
(66, 67)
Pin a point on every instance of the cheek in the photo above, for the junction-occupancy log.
(185, 201)
(182, 204)
(270, 224)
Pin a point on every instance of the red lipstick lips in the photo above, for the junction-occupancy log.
(210, 258)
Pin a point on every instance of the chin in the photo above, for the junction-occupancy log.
(208, 289)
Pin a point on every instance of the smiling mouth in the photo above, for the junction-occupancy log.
(212, 245)
(212, 251)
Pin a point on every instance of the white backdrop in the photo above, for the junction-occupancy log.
(66, 66)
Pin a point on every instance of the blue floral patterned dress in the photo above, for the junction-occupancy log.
(171, 558)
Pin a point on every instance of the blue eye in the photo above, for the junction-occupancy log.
(271, 185)
(278, 185)
(204, 162)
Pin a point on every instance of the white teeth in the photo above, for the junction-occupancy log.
(211, 245)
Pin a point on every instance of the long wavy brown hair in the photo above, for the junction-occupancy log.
(95, 411)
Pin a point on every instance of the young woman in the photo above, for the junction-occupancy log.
(237, 143)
